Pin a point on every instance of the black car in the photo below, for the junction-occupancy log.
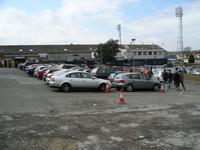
(31, 71)
(102, 72)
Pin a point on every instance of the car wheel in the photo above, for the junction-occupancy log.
(129, 88)
(102, 87)
(156, 87)
(65, 87)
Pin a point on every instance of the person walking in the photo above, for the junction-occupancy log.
(165, 78)
(177, 79)
(170, 78)
(182, 80)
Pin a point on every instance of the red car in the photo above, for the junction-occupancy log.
(40, 72)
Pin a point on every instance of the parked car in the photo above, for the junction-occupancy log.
(157, 74)
(41, 72)
(112, 75)
(31, 71)
(134, 80)
(78, 80)
(69, 66)
(25, 66)
(40, 67)
(55, 73)
(102, 72)
(50, 70)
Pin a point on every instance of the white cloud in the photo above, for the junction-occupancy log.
(94, 21)
(65, 25)
(163, 28)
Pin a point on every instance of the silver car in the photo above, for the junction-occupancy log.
(78, 80)
(134, 80)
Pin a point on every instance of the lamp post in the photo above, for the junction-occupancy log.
(101, 54)
(132, 43)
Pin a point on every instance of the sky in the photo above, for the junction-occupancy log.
(95, 21)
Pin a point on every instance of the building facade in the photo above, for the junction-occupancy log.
(137, 55)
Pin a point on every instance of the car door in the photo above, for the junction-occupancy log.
(136, 80)
(75, 80)
(89, 81)
(146, 82)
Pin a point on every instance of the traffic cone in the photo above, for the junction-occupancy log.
(107, 90)
(121, 98)
(162, 90)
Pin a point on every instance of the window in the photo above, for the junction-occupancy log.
(150, 53)
(144, 53)
(135, 76)
(85, 75)
(109, 71)
(133, 53)
(139, 53)
(75, 55)
(102, 70)
(155, 53)
(159, 53)
(75, 75)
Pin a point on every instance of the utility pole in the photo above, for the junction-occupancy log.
(132, 43)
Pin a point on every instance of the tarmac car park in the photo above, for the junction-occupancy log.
(35, 116)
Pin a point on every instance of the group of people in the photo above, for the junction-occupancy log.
(176, 77)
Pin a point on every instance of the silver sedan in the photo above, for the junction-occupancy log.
(78, 80)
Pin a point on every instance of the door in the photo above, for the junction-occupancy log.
(89, 81)
(75, 80)
(146, 82)
(136, 81)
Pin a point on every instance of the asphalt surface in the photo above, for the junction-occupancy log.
(34, 116)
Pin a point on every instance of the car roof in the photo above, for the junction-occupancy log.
(76, 71)
(126, 73)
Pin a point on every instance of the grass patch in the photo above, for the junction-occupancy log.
(192, 77)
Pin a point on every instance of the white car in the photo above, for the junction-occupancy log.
(157, 74)
(78, 80)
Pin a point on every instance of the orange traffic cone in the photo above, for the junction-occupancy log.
(162, 90)
(121, 98)
(107, 90)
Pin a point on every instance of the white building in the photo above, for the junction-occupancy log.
(143, 54)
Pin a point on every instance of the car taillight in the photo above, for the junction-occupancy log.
(121, 81)
(49, 75)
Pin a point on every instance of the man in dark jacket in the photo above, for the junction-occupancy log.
(177, 79)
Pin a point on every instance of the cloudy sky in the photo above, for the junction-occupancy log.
(95, 21)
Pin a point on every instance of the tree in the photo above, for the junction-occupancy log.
(106, 52)
(191, 59)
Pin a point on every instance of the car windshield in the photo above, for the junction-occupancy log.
(94, 70)
(69, 66)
